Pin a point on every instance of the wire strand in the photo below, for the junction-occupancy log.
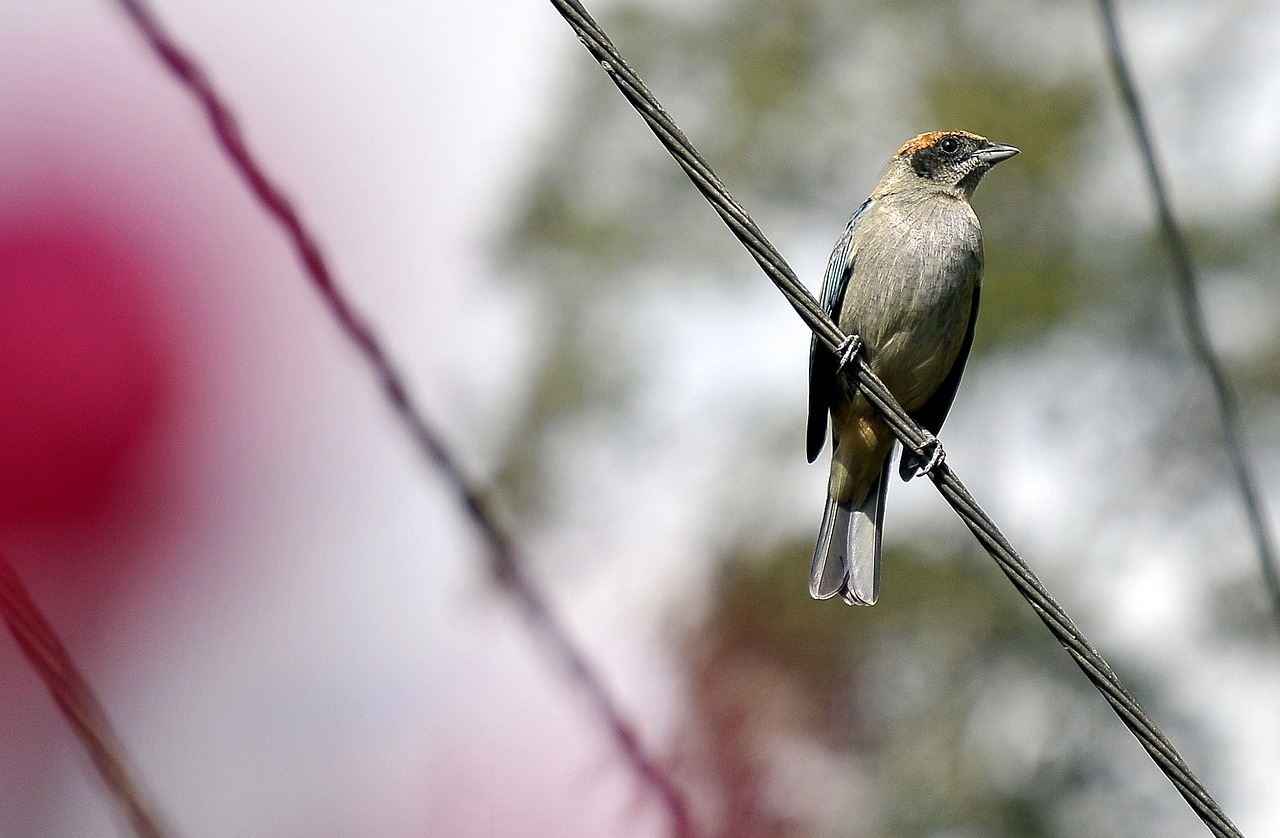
(76, 701)
(1095, 668)
(506, 562)
(1193, 321)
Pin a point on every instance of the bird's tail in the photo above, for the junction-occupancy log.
(847, 558)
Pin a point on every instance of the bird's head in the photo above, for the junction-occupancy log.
(945, 161)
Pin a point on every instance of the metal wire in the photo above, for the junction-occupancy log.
(1185, 286)
(506, 562)
(76, 700)
(1024, 580)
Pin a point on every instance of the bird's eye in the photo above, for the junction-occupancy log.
(949, 145)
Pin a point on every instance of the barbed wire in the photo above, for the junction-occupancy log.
(76, 700)
(1193, 321)
(1095, 668)
(506, 562)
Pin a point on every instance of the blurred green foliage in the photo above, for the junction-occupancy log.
(892, 691)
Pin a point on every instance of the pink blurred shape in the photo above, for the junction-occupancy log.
(84, 369)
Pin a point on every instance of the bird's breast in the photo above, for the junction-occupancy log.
(915, 268)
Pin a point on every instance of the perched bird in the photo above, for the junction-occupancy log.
(905, 278)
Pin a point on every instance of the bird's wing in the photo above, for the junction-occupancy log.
(822, 362)
(933, 413)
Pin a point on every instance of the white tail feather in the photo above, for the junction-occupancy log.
(846, 560)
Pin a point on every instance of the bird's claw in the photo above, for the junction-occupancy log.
(937, 455)
(848, 350)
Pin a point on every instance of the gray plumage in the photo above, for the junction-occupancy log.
(905, 277)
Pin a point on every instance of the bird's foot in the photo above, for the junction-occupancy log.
(931, 447)
(848, 351)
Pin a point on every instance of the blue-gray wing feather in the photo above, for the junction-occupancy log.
(822, 361)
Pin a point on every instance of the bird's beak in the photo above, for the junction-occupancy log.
(993, 153)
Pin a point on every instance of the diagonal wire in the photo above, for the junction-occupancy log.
(1185, 285)
(506, 562)
(1095, 668)
(76, 700)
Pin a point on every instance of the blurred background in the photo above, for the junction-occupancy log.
(286, 613)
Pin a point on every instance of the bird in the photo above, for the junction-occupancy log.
(905, 278)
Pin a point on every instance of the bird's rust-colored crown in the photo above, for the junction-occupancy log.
(925, 140)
